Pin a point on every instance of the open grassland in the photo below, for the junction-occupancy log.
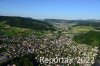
(11, 31)
(81, 29)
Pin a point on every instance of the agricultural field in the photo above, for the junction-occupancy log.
(81, 29)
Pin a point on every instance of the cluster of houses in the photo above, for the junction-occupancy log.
(47, 46)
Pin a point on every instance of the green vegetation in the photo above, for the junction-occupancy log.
(44, 41)
(97, 28)
(90, 38)
(11, 31)
(2, 49)
(23, 22)
(22, 26)
(26, 60)
(80, 29)
(88, 23)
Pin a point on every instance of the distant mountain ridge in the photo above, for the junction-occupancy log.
(71, 21)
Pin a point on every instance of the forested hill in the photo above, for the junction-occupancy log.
(23, 22)
(90, 38)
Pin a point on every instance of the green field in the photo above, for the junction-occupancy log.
(90, 38)
(11, 31)
(81, 29)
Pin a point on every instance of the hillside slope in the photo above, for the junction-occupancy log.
(23, 22)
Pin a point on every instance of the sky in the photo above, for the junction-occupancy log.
(51, 9)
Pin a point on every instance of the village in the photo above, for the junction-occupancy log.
(51, 45)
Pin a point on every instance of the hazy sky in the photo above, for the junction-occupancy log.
(58, 9)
